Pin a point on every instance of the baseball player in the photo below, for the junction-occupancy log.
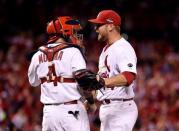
(52, 68)
(117, 65)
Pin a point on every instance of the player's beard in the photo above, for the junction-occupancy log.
(101, 38)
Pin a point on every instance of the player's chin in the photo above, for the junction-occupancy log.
(100, 38)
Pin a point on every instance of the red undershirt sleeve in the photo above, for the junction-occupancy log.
(130, 77)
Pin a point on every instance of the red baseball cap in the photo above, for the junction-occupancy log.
(107, 17)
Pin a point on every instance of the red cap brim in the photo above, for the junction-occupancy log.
(96, 21)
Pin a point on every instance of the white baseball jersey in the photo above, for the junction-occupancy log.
(66, 61)
(117, 58)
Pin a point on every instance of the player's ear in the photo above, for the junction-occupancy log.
(110, 27)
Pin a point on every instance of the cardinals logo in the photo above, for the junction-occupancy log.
(103, 72)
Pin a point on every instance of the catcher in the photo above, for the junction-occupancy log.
(52, 68)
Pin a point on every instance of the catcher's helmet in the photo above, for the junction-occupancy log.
(65, 26)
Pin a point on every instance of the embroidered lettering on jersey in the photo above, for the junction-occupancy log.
(106, 64)
(104, 75)
(103, 72)
(43, 57)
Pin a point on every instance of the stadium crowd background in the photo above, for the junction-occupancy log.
(151, 26)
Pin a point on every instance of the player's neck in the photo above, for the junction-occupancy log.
(113, 38)
(60, 40)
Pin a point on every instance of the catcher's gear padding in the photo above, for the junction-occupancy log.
(88, 80)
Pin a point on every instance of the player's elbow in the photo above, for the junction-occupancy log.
(34, 82)
(129, 77)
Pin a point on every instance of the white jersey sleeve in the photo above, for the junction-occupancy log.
(32, 75)
(78, 61)
(126, 59)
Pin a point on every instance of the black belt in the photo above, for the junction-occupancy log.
(108, 101)
(65, 103)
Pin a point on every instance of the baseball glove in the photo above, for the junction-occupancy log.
(87, 80)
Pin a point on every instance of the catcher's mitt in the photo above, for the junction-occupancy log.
(88, 80)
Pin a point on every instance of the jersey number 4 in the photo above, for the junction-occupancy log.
(52, 77)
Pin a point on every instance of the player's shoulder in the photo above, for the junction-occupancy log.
(61, 46)
(72, 51)
(67, 48)
(121, 44)
(33, 56)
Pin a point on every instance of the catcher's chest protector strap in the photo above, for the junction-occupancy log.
(51, 51)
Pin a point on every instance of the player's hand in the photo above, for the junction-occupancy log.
(91, 108)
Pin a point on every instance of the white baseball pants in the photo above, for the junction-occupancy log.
(118, 116)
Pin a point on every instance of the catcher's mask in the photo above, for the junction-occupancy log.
(66, 27)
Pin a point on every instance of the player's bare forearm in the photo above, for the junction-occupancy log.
(118, 80)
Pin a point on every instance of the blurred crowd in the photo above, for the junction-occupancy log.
(150, 26)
